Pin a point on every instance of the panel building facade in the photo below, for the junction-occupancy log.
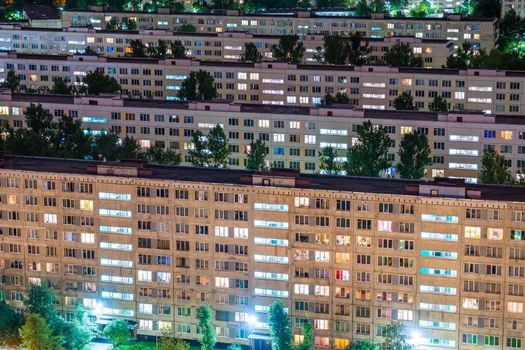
(226, 46)
(294, 136)
(152, 244)
(278, 83)
(482, 33)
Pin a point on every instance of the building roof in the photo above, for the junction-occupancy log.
(227, 106)
(233, 177)
(285, 13)
(40, 12)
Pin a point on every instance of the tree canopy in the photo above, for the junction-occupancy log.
(279, 324)
(289, 49)
(368, 156)
(117, 331)
(204, 316)
(198, 86)
(404, 102)
(98, 82)
(339, 49)
(251, 54)
(256, 155)
(329, 165)
(414, 154)
(494, 168)
(401, 55)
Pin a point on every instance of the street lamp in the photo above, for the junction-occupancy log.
(415, 338)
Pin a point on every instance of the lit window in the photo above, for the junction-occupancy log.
(278, 137)
(472, 232)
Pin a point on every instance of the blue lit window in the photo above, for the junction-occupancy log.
(270, 207)
(94, 120)
(517, 235)
(439, 254)
(489, 134)
(114, 196)
(270, 224)
(278, 151)
(114, 212)
(116, 229)
(438, 272)
(449, 219)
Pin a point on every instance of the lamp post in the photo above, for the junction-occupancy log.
(415, 338)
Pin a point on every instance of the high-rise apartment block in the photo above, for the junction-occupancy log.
(294, 136)
(481, 33)
(279, 83)
(150, 244)
(227, 46)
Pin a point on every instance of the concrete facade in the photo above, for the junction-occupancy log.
(352, 255)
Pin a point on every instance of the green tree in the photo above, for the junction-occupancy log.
(117, 331)
(40, 301)
(339, 49)
(198, 86)
(37, 139)
(200, 156)
(10, 322)
(106, 146)
(327, 100)
(368, 156)
(362, 345)
(308, 336)
(204, 315)
(218, 147)
(89, 51)
(421, 10)
(251, 54)
(129, 148)
(97, 83)
(137, 48)
(128, 24)
(330, 3)
(327, 157)
(486, 9)
(61, 87)
(12, 81)
(169, 342)
(395, 337)
(465, 57)
(404, 102)
(70, 140)
(234, 347)
(159, 155)
(279, 324)
(289, 49)
(378, 5)
(414, 154)
(362, 9)
(256, 156)
(494, 168)
(79, 332)
(401, 55)
(339, 98)
(439, 104)
(36, 335)
(160, 50)
(177, 50)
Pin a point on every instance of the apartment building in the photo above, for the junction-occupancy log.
(482, 33)
(152, 244)
(294, 136)
(278, 83)
(206, 46)
(516, 5)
